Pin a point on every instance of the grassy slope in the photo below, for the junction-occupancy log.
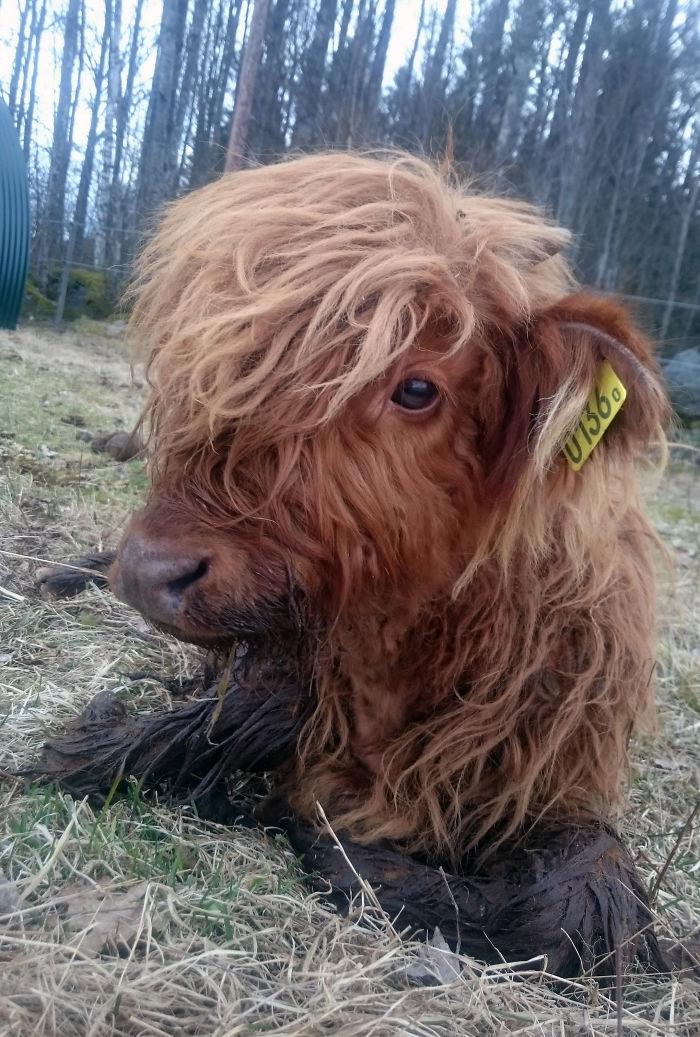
(142, 920)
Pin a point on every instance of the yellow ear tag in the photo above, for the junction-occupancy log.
(603, 404)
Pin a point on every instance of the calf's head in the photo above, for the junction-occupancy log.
(360, 374)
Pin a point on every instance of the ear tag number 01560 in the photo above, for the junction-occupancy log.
(602, 406)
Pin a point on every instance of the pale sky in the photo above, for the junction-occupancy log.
(403, 33)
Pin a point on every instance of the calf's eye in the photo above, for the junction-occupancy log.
(415, 394)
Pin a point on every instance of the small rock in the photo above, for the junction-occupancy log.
(116, 329)
(10, 903)
(682, 374)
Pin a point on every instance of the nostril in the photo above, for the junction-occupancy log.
(181, 583)
(157, 578)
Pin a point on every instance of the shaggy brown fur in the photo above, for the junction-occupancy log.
(477, 619)
(362, 375)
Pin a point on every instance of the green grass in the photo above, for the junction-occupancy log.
(38, 434)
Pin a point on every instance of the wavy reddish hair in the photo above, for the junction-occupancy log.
(476, 619)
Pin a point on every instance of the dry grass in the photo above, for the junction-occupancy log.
(140, 919)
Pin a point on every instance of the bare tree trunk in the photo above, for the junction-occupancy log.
(416, 41)
(21, 58)
(565, 91)
(218, 59)
(605, 276)
(50, 238)
(235, 153)
(35, 48)
(524, 57)
(348, 6)
(434, 71)
(572, 153)
(79, 215)
(486, 76)
(227, 62)
(112, 33)
(353, 87)
(124, 109)
(530, 149)
(308, 99)
(333, 102)
(405, 80)
(277, 80)
(376, 75)
(118, 223)
(691, 192)
(193, 65)
(161, 137)
(641, 126)
(692, 312)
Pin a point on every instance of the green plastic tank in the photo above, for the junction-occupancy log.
(14, 221)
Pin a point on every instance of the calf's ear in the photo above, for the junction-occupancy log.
(539, 377)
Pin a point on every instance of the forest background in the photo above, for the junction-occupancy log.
(586, 107)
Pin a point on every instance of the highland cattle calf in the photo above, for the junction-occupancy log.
(393, 452)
